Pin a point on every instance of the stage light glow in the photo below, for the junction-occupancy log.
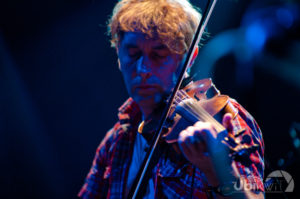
(256, 36)
(285, 17)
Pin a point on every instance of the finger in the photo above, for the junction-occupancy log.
(209, 133)
(199, 136)
(207, 130)
(191, 131)
(227, 122)
(199, 144)
(191, 142)
(190, 135)
(183, 142)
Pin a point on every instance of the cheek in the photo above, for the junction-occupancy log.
(127, 69)
(167, 78)
(127, 80)
(169, 73)
(128, 77)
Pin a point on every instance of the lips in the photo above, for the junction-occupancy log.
(147, 88)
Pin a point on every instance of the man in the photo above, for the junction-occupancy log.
(151, 38)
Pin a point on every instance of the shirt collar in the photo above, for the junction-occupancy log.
(129, 112)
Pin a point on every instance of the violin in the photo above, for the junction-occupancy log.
(152, 156)
(201, 101)
(194, 105)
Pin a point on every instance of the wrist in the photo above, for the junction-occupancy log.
(212, 178)
(225, 189)
(220, 174)
(224, 181)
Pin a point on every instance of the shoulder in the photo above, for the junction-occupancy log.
(123, 131)
(244, 120)
(248, 133)
(96, 181)
(111, 139)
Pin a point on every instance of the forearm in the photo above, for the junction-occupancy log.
(230, 185)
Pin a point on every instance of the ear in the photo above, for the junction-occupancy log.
(117, 51)
(119, 64)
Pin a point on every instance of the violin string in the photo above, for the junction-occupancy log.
(210, 119)
(205, 116)
(200, 113)
(190, 107)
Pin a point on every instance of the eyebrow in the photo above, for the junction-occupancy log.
(158, 47)
(130, 46)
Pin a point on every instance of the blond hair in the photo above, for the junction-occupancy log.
(174, 22)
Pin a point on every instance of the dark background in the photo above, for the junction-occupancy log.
(60, 89)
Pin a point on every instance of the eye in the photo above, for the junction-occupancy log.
(159, 56)
(134, 53)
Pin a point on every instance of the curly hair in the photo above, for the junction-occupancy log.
(174, 22)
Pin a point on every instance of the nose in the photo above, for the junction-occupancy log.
(143, 68)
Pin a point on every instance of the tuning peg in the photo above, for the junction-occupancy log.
(240, 132)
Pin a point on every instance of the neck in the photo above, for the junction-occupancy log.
(152, 109)
(147, 113)
(151, 113)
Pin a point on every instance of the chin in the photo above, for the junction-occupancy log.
(151, 98)
(145, 101)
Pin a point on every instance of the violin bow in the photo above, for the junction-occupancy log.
(137, 188)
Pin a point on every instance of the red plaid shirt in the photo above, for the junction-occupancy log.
(172, 177)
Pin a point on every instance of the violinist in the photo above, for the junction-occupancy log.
(151, 38)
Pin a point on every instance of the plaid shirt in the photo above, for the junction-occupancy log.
(172, 177)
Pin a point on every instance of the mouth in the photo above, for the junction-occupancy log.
(146, 86)
(147, 89)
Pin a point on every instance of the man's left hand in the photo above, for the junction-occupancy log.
(200, 146)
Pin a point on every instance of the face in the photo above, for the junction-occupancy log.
(149, 69)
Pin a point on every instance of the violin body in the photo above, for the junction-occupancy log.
(203, 98)
(187, 111)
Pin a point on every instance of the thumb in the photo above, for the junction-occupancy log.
(227, 122)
